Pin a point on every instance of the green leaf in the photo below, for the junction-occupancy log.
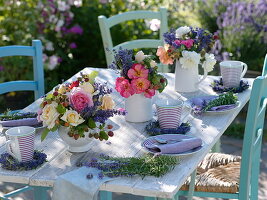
(91, 123)
(54, 128)
(103, 135)
(49, 96)
(92, 76)
(44, 134)
(61, 109)
(102, 126)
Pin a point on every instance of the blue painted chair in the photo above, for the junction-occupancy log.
(106, 23)
(36, 85)
(229, 177)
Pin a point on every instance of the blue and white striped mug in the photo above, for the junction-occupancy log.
(232, 72)
(20, 143)
(169, 113)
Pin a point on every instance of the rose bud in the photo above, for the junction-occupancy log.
(55, 93)
(162, 80)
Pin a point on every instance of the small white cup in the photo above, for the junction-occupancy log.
(20, 143)
(169, 113)
(232, 72)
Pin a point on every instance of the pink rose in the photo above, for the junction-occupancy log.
(137, 71)
(163, 56)
(124, 87)
(149, 93)
(140, 85)
(177, 42)
(80, 99)
(188, 43)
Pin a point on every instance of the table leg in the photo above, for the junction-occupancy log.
(192, 185)
(40, 193)
(217, 147)
(104, 195)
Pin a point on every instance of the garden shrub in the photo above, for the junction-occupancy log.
(241, 26)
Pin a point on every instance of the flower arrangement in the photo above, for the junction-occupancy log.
(138, 74)
(190, 46)
(83, 105)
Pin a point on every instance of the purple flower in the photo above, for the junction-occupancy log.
(2, 68)
(76, 30)
(59, 59)
(73, 45)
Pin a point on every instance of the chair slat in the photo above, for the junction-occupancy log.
(16, 51)
(137, 44)
(37, 84)
(18, 86)
(132, 15)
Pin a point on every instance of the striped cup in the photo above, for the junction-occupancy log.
(20, 143)
(232, 72)
(169, 113)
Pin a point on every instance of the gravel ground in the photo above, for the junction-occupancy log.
(229, 145)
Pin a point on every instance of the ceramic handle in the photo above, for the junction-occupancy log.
(244, 70)
(204, 76)
(184, 119)
(8, 143)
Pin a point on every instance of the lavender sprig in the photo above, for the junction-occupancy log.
(143, 166)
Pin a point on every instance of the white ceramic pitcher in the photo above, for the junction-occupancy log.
(187, 79)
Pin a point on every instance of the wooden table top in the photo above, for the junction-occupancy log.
(127, 142)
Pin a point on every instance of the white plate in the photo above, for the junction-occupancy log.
(151, 140)
(224, 111)
(4, 129)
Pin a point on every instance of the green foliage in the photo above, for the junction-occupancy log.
(223, 99)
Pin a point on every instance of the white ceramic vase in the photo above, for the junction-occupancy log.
(187, 79)
(139, 108)
(79, 145)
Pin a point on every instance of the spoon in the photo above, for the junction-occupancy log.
(164, 141)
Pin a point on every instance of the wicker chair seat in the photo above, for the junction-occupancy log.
(217, 173)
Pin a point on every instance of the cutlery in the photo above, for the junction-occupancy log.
(169, 141)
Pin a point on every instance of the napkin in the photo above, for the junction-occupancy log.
(177, 147)
(223, 107)
(75, 185)
(200, 101)
(20, 122)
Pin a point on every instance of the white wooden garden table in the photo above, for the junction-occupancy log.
(127, 142)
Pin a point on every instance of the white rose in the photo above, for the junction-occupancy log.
(107, 102)
(140, 56)
(72, 117)
(153, 63)
(49, 115)
(182, 31)
(209, 62)
(87, 87)
(190, 59)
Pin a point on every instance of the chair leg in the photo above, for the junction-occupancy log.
(216, 147)
(104, 195)
(255, 177)
(40, 193)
